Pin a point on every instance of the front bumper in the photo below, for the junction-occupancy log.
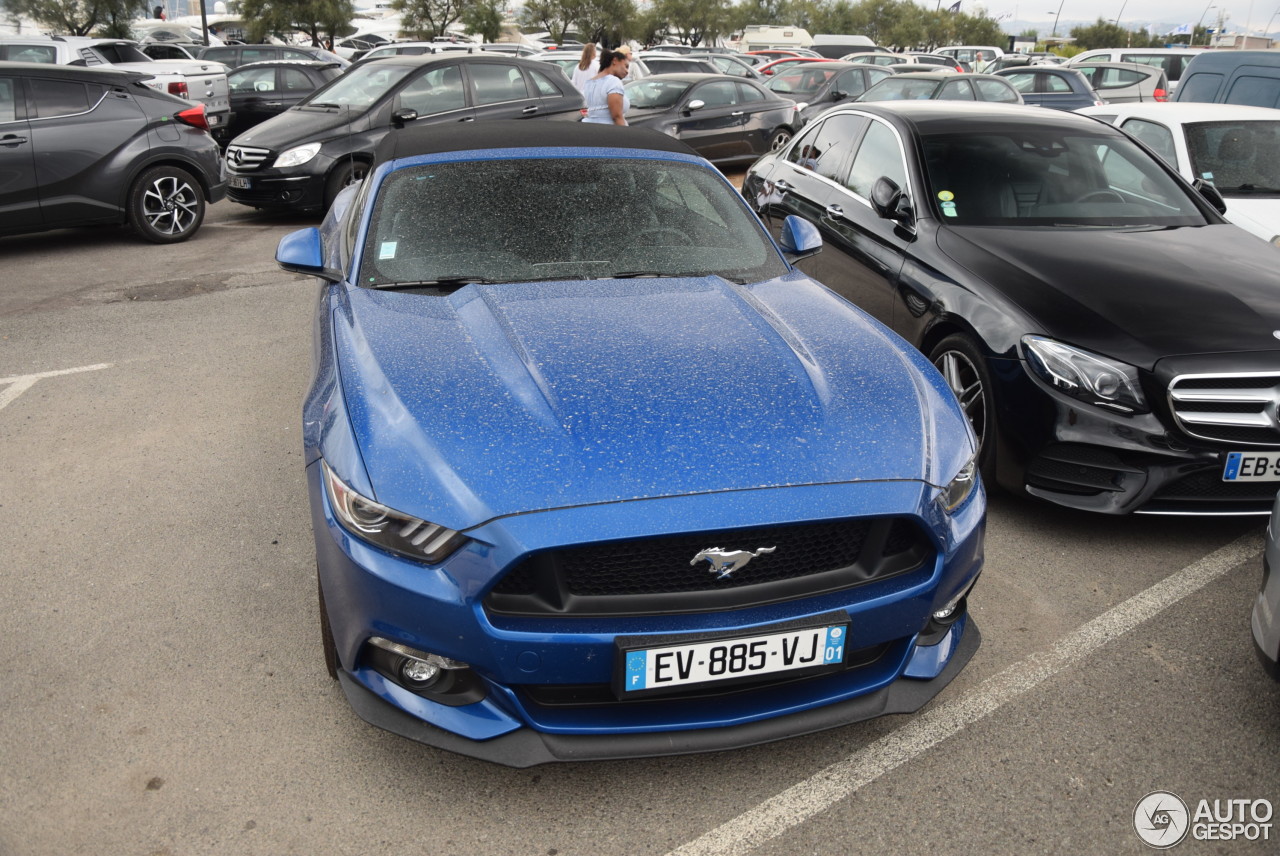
(1071, 453)
(545, 677)
(528, 747)
(300, 187)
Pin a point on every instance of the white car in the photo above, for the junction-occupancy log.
(1235, 148)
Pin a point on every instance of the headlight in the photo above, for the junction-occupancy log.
(390, 530)
(959, 488)
(299, 155)
(1085, 376)
(1275, 240)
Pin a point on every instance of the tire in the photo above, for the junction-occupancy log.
(346, 173)
(965, 370)
(326, 635)
(166, 205)
(778, 139)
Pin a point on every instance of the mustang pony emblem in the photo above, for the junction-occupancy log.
(724, 562)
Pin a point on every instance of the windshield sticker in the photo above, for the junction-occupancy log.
(1207, 176)
(946, 195)
(387, 250)
(949, 209)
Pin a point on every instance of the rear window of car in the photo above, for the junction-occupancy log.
(435, 223)
(8, 100)
(29, 53)
(63, 97)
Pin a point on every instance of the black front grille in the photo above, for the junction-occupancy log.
(658, 575)
(1207, 485)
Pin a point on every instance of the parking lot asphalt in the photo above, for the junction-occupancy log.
(164, 692)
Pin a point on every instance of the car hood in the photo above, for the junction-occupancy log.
(512, 398)
(1136, 295)
(294, 127)
(1260, 216)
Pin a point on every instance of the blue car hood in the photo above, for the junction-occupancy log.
(502, 399)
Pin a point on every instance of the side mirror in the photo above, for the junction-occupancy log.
(402, 116)
(303, 252)
(1211, 193)
(799, 239)
(695, 104)
(891, 202)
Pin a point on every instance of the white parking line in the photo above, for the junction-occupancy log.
(19, 384)
(838, 781)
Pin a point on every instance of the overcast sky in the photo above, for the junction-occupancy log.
(1035, 13)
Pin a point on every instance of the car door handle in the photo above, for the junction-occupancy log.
(12, 141)
(835, 212)
(467, 119)
(530, 109)
(739, 113)
(782, 185)
(272, 103)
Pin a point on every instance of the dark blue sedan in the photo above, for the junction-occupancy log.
(1052, 86)
(595, 472)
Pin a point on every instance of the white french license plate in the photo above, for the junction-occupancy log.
(1252, 467)
(236, 181)
(707, 662)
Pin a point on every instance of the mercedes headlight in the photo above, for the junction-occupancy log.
(390, 530)
(960, 487)
(1086, 376)
(298, 155)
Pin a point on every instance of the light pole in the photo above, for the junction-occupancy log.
(1056, 16)
(1269, 20)
(1202, 14)
(1122, 5)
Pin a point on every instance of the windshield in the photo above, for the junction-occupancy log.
(650, 94)
(359, 87)
(900, 89)
(1240, 158)
(1051, 177)
(561, 218)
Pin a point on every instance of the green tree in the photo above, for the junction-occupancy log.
(1100, 34)
(484, 19)
(76, 17)
(978, 30)
(695, 21)
(554, 16)
(319, 19)
(609, 22)
(425, 19)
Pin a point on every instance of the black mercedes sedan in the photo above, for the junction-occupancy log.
(1113, 339)
(306, 155)
(261, 90)
(725, 119)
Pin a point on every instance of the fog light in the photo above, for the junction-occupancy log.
(945, 613)
(418, 671)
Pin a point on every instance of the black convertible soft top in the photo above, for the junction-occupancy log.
(522, 134)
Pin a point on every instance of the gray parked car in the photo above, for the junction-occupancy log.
(81, 147)
(1266, 609)
(1126, 82)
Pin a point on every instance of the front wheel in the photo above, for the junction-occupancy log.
(778, 139)
(965, 371)
(166, 205)
(344, 174)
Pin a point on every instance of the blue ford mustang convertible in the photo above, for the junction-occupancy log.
(595, 472)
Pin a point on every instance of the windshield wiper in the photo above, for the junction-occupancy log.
(638, 274)
(325, 104)
(1248, 188)
(445, 281)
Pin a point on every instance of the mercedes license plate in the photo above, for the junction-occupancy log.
(1252, 466)
(237, 181)
(649, 670)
